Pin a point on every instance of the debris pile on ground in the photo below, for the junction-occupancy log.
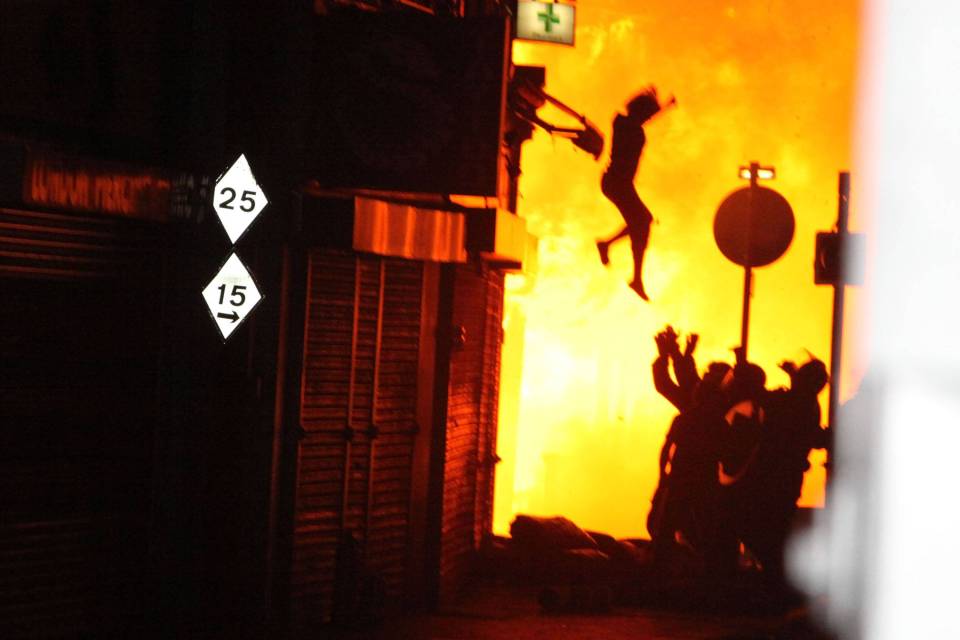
(580, 571)
(577, 570)
(555, 549)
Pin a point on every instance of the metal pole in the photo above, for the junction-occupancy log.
(373, 432)
(836, 343)
(745, 320)
(748, 270)
(348, 431)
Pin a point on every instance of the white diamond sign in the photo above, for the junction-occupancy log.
(238, 199)
(231, 295)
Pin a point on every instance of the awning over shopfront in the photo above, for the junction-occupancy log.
(425, 233)
(407, 231)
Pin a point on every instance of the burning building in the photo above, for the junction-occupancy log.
(771, 82)
(334, 457)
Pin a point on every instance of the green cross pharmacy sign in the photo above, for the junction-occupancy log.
(545, 22)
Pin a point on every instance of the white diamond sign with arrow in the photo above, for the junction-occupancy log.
(231, 295)
(238, 199)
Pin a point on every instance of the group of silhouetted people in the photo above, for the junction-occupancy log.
(732, 463)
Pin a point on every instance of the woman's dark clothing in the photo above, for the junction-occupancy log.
(628, 141)
(617, 182)
(617, 185)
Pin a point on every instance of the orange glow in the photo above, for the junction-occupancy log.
(773, 82)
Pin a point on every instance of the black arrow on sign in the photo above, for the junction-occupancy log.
(233, 316)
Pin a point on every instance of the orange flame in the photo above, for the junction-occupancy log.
(773, 82)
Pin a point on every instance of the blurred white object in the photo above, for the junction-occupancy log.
(885, 552)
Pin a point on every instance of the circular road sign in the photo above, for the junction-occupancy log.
(753, 234)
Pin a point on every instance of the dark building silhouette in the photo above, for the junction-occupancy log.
(334, 457)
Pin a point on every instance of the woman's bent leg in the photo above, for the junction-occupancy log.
(639, 236)
(621, 192)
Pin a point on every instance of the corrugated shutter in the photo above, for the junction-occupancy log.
(358, 414)
(78, 358)
(471, 422)
(489, 403)
(70, 247)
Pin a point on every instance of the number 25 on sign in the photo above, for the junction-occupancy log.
(238, 199)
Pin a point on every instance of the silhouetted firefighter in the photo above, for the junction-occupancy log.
(772, 485)
(684, 506)
(617, 183)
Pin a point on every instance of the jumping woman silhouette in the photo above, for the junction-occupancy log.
(617, 183)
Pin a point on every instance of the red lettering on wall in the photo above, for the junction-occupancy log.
(75, 184)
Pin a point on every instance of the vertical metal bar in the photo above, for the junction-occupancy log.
(836, 341)
(351, 392)
(251, 329)
(438, 440)
(296, 283)
(276, 453)
(416, 568)
(748, 270)
(745, 317)
(371, 458)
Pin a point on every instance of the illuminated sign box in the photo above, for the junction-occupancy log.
(545, 22)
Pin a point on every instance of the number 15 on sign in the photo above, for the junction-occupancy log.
(231, 296)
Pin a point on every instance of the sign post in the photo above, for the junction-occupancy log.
(748, 265)
(839, 289)
(833, 266)
(753, 228)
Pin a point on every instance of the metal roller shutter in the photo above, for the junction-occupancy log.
(358, 414)
(79, 341)
(489, 404)
(471, 423)
(64, 247)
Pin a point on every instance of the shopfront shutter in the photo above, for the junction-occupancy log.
(79, 344)
(489, 405)
(57, 246)
(471, 422)
(358, 415)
